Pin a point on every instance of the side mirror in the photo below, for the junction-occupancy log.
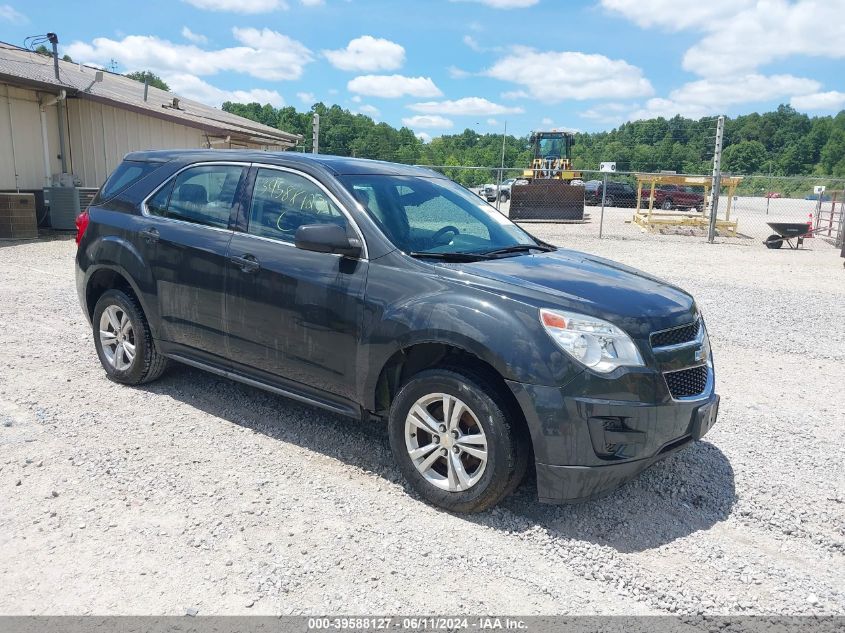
(327, 238)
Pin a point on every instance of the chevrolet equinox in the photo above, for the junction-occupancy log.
(384, 291)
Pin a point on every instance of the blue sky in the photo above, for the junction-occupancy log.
(440, 66)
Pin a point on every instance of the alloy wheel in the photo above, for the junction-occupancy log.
(445, 442)
(117, 338)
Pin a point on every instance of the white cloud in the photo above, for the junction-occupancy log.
(370, 110)
(458, 73)
(546, 121)
(367, 53)
(425, 137)
(393, 86)
(10, 14)
(676, 15)
(357, 99)
(769, 31)
(832, 101)
(713, 96)
(427, 121)
(609, 112)
(475, 106)
(492, 122)
(551, 77)
(312, 3)
(265, 54)
(739, 36)
(307, 98)
(504, 4)
(471, 42)
(239, 6)
(193, 87)
(718, 93)
(196, 38)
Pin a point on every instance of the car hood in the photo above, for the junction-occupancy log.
(635, 301)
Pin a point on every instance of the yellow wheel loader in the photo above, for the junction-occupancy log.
(550, 189)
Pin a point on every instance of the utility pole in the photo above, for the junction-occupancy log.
(501, 169)
(717, 178)
(315, 133)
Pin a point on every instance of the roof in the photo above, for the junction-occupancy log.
(20, 66)
(338, 165)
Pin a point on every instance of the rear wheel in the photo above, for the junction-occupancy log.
(667, 205)
(774, 241)
(123, 340)
(455, 441)
(609, 201)
(504, 196)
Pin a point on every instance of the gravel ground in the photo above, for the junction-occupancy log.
(197, 494)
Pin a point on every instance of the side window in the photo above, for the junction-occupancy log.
(283, 201)
(127, 173)
(203, 195)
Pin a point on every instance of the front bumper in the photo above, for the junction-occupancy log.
(585, 447)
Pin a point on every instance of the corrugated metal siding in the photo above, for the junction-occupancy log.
(98, 136)
(23, 153)
(101, 135)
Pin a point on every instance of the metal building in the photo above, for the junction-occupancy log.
(66, 124)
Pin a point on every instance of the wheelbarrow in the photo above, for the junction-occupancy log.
(788, 231)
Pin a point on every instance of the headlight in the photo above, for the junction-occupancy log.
(599, 345)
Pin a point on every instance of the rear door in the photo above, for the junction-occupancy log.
(293, 317)
(186, 233)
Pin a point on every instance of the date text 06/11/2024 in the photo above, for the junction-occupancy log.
(429, 623)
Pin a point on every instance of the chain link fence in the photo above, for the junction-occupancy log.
(631, 205)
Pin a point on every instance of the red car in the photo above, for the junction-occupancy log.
(676, 197)
(774, 194)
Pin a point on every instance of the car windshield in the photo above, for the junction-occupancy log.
(434, 215)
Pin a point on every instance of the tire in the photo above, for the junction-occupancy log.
(774, 241)
(488, 423)
(609, 201)
(667, 205)
(504, 197)
(120, 315)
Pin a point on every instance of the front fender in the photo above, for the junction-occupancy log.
(503, 332)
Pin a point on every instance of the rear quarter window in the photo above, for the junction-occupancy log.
(127, 173)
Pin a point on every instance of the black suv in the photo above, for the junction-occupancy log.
(619, 194)
(385, 291)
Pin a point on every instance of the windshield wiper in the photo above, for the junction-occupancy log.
(518, 248)
(451, 256)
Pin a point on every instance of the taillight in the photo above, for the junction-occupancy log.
(81, 224)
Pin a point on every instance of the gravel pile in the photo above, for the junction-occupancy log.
(198, 495)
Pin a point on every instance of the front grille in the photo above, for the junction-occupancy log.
(676, 336)
(687, 382)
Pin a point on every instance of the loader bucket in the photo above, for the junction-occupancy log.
(547, 200)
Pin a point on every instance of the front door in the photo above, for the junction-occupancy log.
(293, 315)
(186, 223)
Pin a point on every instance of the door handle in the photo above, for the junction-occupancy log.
(150, 234)
(247, 263)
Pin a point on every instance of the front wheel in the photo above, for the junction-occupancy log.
(774, 241)
(667, 205)
(456, 441)
(504, 196)
(123, 340)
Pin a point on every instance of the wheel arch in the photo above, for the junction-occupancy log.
(108, 277)
(412, 359)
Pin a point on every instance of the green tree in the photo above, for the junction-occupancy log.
(150, 77)
(745, 157)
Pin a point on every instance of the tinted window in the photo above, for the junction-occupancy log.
(203, 195)
(283, 201)
(127, 173)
